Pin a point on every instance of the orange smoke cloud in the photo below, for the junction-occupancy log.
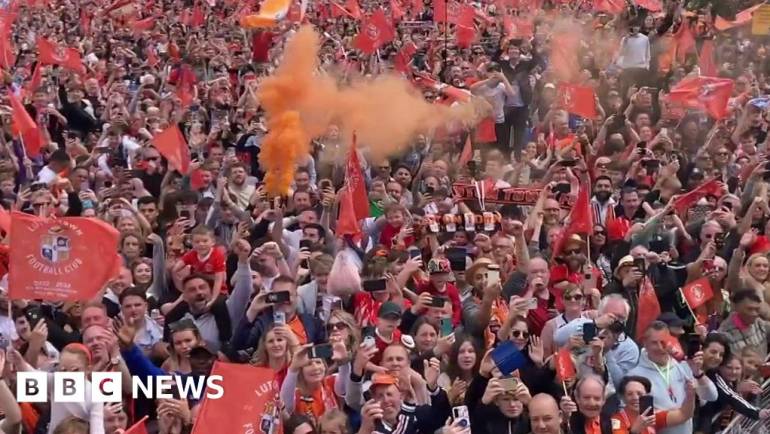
(386, 112)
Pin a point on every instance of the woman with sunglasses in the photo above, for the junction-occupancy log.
(574, 307)
(575, 268)
(601, 253)
(342, 328)
(307, 389)
(535, 373)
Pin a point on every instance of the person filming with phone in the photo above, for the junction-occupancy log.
(638, 415)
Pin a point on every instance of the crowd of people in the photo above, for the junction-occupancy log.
(550, 270)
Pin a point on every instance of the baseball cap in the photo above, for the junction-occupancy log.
(671, 319)
(389, 309)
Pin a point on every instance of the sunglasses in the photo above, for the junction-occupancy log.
(520, 334)
(572, 252)
(573, 297)
(336, 326)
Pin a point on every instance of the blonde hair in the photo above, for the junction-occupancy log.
(260, 356)
(355, 334)
(334, 419)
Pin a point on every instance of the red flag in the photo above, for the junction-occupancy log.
(467, 153)
(674, 347)
(446, 11)
(252, 389)
(706, 59)
(347, 223)
(485, 131)
(7, 54)
(741, 18)
(25, 126)
(565, 366)
(375, 31)
(59, 259)
(698, 292)
(404, 56)
(138, 428)
(5, 221)
(610, 6)
(466, 29)
(706, 93)
(578, 100)
(172, 145)
(35, 80)
(353, 8)
(650, 5)
(684, 41)
(579, 221)
(339, 11)
(564, 61)
(143, 25)
(685, 201)
(152, 56)
(85, 22)
(355, 183)
(185, 85)
(648, 307)
(52, 54)
(197, 18)
(396, 11)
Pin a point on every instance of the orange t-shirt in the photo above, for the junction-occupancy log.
(321, 401)
(621, 424)
(593, 426)
(299, 330)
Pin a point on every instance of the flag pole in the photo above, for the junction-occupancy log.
(686, 303)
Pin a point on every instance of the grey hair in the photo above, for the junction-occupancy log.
(609, 298)
(589, 377)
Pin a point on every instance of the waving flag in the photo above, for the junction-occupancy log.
(685, 201)
(375, 31)
(613, 7)
(698, 292)
(706, 93)
(271, 12)
(650, 5)
(355, 183)
(52, 54)
(25, 127)
(354, 9)
(565, 366)
(172, 145)
(466, 29)
(446, 11)
(578, 100)
(60, 258)
(706, 59)
(648, 307)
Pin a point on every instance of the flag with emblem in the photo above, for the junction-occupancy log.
(565, 366)
(685, 201)
(53, 54)
(698, 292)
(710, 94)
(375, 31)
(446, 11)
(648, 306)
(578, 100)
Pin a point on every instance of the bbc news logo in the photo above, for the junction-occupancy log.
(108, 387)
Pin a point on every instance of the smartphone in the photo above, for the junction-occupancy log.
(374, 285)
(456, 256)
(645, 403)
(641, 145)
(430, 190)
(323, 351)
(509, 384)
(102, 149)
(446, 327)
(659, 245)
(493, 274)
(652, 165)
(437, 301)
(304, 244)
(692, 346)
(531, 303)
(33, 315)
(185, 214)
(107, 184)
(640, 265)
(368, 334)
(460, 413)
(279, 318)
(589, 332)
(278, 297)
(562, 188)
(415, 253)
(719, 240)
(568, 163)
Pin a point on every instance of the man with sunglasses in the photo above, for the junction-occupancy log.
(619, 353)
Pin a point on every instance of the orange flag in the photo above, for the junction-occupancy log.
(172, 145)
(648, 309)
(467, 153)
(706, 59)
(684, 41)
(52, 54)
(250, 394)
(565, 366)
(356, 184)
(25, 126)
(59, 259)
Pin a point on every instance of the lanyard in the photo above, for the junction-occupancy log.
(667, 379)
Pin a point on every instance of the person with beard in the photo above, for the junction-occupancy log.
(237, 186)
(602, 202)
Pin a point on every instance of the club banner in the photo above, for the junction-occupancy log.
(512, 195)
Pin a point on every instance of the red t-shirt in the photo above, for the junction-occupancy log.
(212, 264)
(451, 292)
(381, 345)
